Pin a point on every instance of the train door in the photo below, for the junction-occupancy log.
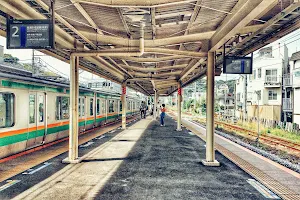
(84, 110)
(81, 113)
(103, 110)
(37, 122)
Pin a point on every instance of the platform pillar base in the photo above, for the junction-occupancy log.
(214, 163)
(67, 161)
(178, 129)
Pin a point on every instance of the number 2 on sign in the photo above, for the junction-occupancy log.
(15, 31)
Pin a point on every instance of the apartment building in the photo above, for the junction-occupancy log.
(240, 97)
(264, 85)
(291, 90)
(225, 100)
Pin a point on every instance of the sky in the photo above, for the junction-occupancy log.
(292, 41)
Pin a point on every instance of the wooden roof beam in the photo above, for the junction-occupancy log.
(242, 14)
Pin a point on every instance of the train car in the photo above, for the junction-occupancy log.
(35, 111)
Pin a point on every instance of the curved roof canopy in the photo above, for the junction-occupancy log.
(176, 37)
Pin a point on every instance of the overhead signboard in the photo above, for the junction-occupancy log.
(237, 65)
(29, 34)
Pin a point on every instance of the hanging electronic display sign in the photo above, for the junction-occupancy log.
(237, 65)
(29, 34)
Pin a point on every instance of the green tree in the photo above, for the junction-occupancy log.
(28, 67)
(203, 105)
(10, 59)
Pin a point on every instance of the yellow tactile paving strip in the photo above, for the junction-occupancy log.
(281, 190)
(18, 165)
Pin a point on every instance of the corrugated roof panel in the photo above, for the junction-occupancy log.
(107, 19)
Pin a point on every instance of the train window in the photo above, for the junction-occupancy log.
(91, 106)
(41, 108)
(120, 106)
(98, 106)
(128, 105)
(103, 106)
(62, 108)
(31, 108)
(115, 106)
(110, 106)
(83, 107)
(79, 107)
(7, 102)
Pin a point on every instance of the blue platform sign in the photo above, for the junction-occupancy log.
(237, 65)
(29, 34)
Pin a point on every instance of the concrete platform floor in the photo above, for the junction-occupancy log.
(146, 163)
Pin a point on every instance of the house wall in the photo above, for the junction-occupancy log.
(267, 112)
(258, 83)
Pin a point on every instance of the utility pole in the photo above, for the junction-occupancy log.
(258, 132)
(33, 64)
(245, 99)
(234, 103)
(195, 89)
(225, 100)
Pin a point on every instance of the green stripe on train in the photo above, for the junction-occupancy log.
(30, 135)
(19, 85)
(25, 136)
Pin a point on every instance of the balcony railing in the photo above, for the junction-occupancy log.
(287, 104)
(272, 81)
(287, 80)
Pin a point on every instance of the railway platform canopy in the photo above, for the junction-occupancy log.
(155, 46)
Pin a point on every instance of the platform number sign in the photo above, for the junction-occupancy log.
(237, 65)
(29, 34)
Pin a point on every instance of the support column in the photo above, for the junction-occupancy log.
(179, 98)
(74, 93)
(210, 129)
(124, 106)
(155, 104)
(158, 106)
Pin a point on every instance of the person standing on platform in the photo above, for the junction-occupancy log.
(162, 115)
(143, 110)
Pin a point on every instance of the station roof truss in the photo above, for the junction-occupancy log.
(177, 34)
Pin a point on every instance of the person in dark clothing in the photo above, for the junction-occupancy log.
(162, 115)
(143, 110)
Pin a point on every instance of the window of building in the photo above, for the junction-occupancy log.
(120, 106)
(62, 108)
(91, 107)
(254, 74)
(98, 106)
(272, 95)
(271, 75)
(249, 95)
(259, 73)
(258, 93)
(238, 97)
(7, 104)
(31, 108)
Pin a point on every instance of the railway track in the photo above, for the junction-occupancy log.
(268, 139)
(289, 146)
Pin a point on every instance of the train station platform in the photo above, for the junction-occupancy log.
(146, 161)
